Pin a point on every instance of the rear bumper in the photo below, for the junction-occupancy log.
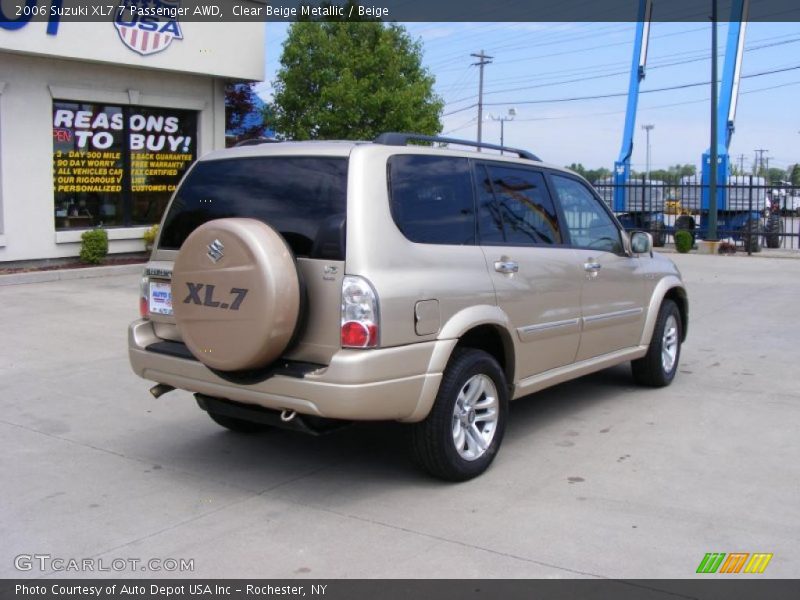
(353, 386)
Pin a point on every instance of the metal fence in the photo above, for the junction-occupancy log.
(751, 214)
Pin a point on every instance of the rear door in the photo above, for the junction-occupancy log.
(537, 278)
(613, 290)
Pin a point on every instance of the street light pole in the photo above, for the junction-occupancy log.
(648, 128)
(512, 112)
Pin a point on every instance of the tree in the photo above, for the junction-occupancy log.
(775, 176)
(671, 176)
(243, 113)
(591, 175)
(353, 80)
(795, 175)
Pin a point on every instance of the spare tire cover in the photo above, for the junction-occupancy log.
(236, 294)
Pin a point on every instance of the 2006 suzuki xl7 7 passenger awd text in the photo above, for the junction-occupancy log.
(305, 284)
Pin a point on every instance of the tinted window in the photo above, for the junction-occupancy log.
(431, 199)
(589, 225)
(515, 207)
(298, 196)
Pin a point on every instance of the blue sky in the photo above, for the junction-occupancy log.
(535, 62)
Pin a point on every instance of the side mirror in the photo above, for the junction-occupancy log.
(641, 242)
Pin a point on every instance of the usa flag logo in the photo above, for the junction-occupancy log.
(147, 33)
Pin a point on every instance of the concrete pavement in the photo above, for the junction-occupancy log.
(596, 478)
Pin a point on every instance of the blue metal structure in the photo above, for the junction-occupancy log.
(635, 207)
(733, 210)
(622, 167)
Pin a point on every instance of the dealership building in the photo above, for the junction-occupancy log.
(99, 121)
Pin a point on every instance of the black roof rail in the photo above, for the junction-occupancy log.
(402, 139)
(256, 141)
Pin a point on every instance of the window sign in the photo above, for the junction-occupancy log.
(117, 165)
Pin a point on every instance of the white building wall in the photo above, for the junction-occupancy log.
(30, 84)
(190, 74)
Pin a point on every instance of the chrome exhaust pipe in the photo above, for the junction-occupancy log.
(287, 415)
(160, 389)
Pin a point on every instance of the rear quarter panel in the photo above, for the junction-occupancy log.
(403, 272)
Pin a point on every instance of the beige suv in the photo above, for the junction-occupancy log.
(309, 284)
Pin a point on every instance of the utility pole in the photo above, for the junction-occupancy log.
(483, 60)
(741, 164)
(712, 196)
(759, 166)
(648, 128)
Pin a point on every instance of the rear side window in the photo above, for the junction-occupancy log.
(431, 199)
(303, 198)
(515, 207)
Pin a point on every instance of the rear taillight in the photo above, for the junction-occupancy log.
(144, 293)
(359, 326)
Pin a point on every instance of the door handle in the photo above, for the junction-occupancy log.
(506, 266)
(592, 266)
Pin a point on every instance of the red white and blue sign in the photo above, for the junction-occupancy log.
(147, 29)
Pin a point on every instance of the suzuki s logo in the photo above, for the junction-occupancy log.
(215, 251)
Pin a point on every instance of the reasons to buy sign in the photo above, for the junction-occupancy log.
(113, 161)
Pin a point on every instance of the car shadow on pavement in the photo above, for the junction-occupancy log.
(564, 402)
(377, 451)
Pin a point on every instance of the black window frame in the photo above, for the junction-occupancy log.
(597, 198)
(487, 163)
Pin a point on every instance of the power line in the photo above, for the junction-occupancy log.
(453, 112)
(622, 72)
(618, 94)
(460, 127)
(656, 106)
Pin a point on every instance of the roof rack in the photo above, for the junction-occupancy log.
(402, 139)
(256, 141)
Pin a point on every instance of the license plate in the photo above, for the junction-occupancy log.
(160, 298)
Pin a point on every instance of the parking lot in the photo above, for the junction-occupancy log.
(596, 478)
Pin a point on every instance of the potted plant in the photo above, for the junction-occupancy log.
(149, 237)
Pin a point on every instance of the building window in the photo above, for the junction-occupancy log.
(117, 165)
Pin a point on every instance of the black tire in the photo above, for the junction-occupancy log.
(751, 236)
(773, 231)
(659, 233)
(433, 444)
(686, 223)
(650, 370)
(237, 425)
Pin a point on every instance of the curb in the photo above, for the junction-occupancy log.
(765, 253)
(67, 274)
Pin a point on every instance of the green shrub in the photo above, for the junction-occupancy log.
(94, 246)
(149, 236)
(683, 241)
